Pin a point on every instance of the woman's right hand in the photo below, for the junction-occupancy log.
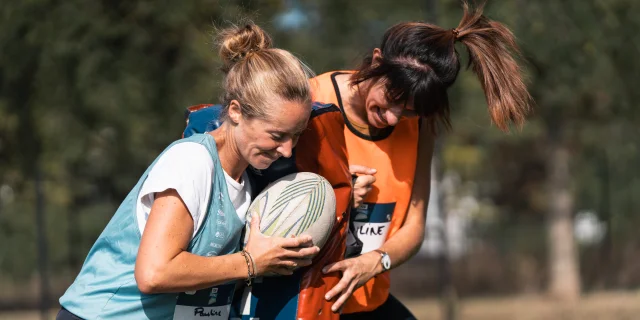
(276, 254)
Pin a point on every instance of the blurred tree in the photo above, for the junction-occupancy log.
(580, 75)
(580, 82)
(93, 91)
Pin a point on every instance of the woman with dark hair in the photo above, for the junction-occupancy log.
(391, 106)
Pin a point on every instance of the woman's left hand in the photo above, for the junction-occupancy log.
(355, 273)
(363, 183)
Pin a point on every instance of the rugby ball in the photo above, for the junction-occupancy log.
(298, 203)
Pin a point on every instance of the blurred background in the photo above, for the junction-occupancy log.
(541, 223)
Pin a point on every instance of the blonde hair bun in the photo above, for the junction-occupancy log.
(258, 76)
(237, 42)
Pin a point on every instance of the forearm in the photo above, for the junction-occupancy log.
(404, 244)
(188, 272)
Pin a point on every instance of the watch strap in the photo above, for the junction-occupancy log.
(382, 255)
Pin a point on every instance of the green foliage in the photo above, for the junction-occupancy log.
(91, 92)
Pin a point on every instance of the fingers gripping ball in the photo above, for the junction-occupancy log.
(299, 203)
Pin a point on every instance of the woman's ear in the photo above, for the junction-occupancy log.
(376, 57)
(235, 111)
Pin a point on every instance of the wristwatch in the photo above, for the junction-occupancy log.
(385, 261)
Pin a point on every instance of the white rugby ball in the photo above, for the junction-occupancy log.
(298, 203)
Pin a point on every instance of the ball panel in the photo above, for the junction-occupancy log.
(295, 204)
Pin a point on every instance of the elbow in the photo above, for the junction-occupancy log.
(421, 236)
(414, 244)
(147, 288)
(417, 238)
(418, 246)
(149, 281)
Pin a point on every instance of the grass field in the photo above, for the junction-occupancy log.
(598, 306)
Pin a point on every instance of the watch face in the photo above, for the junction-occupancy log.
(386, 262)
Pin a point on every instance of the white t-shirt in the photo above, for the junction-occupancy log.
(188, 168)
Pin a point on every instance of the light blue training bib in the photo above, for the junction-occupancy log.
(106, 288)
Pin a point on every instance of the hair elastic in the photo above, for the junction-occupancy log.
(455, 32)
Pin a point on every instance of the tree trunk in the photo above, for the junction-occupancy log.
(564, 277)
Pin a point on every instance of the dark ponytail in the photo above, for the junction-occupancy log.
(419, 62)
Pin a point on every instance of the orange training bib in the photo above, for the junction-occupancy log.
(393, 153)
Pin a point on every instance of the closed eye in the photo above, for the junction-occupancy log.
(282, 136)
(277, 137)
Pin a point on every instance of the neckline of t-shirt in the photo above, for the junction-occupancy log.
(235, 184)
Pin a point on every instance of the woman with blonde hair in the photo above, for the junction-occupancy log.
(171, 250)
